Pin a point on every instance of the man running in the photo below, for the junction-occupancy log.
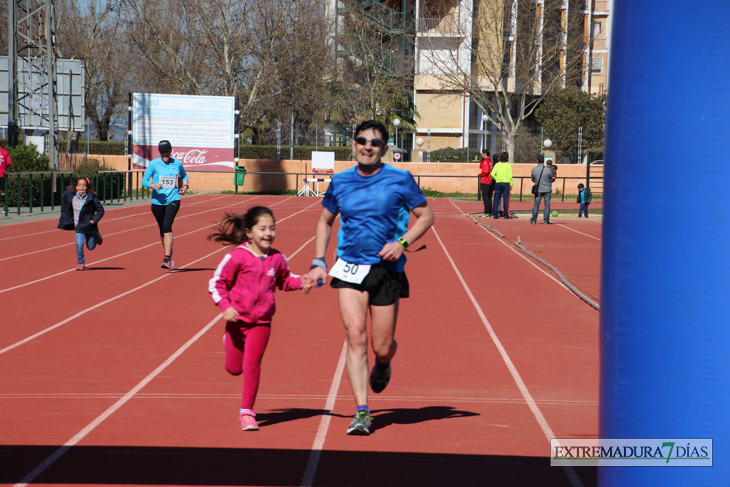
(374, 201)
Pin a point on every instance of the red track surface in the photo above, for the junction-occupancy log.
(454, 414)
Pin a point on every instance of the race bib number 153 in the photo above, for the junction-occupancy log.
(167, 181)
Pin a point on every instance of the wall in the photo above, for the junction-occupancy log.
(447, 177)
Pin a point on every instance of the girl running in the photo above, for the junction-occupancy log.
(81, 210)
(164, 172)
(243, 287)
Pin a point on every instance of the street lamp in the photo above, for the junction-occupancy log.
(396, 122)
(484, 122)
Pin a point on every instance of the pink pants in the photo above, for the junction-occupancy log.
(245, 346)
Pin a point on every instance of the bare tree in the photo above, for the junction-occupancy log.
(517, 52)
(263, 51)
(374, 77)
(94, 32)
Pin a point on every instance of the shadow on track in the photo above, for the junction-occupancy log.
(122, 465)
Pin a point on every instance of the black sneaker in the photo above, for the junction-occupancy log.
(379, 378)
(360, 425)
(548, 222)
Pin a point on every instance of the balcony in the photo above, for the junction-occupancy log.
(443, 26)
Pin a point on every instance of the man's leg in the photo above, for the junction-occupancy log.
(497, 196)
(485, 196)
(546, 213)
(382, 332)
(353, 310)
(535, 208)
(490, 196)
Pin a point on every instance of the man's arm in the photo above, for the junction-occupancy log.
(424, 220)
(321, 240)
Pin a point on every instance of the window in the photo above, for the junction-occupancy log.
(596, 28)
(596, 65)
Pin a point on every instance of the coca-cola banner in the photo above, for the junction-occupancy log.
(200, 129)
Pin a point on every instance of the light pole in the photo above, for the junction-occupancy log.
(484, 123)
(396, 122)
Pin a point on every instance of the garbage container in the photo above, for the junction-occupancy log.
(240, 175)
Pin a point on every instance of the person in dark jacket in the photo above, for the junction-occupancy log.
(81, 210)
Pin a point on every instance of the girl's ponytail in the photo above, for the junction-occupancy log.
(232, 229)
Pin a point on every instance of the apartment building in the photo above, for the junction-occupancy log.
(448, 42)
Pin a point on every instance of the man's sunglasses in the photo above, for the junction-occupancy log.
(373, 142)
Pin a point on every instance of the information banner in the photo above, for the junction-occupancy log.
(200, 129)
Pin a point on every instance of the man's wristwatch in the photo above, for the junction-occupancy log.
(404, 243)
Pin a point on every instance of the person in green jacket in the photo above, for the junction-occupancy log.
(502, 175)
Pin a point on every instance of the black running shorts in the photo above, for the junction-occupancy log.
(383, 285)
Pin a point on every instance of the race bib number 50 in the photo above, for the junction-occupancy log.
(353, 273)
(167, 181)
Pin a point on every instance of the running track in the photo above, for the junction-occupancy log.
(115, 375)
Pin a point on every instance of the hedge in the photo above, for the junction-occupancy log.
(247, 151)
(26, 158)
(449, 154)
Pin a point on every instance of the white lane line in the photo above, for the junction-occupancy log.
(129, 395)
(49, 215)
(324, 424)
(547, 431)
(80, 313)
(123, 231)
(293, 397)
(576, 231)
(113, 256)
(526, 259)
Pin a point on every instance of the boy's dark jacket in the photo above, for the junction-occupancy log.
(91, 209)
(588, 195)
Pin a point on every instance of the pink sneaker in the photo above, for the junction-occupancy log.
(80, 267)
(248, 423)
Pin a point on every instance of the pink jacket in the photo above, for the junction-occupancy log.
(248, 283)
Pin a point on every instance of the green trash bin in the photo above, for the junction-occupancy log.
(240, 175)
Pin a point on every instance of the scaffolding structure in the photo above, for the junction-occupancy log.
(32, 39)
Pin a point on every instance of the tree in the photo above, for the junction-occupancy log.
(507, 55)
(374, 78)
(242, 48)
(563, 111)
(94, 32)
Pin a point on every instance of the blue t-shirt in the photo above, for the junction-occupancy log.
(374, 211)
(155, 170)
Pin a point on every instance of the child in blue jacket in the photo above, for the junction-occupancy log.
(81, 210)
(584, 198)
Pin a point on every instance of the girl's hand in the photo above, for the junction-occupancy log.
(92, 222)
(230, 315)
(156, 186)
(184, 189)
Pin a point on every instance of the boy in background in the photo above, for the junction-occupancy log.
(584, 198)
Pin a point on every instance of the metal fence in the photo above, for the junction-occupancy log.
(45, 188)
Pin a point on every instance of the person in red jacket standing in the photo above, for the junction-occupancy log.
(5, 161)
(486, 183)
